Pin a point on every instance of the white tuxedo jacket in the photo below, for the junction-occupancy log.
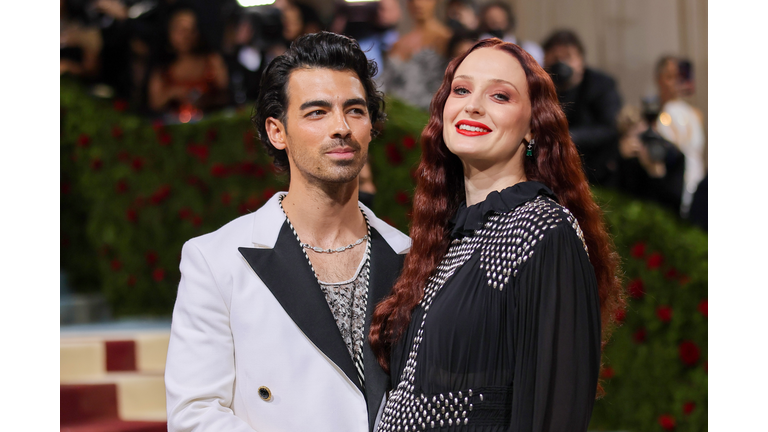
(250, 313)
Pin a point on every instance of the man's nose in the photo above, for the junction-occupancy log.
(341, 127)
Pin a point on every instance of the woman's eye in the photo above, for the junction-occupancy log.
(501, 97)
(460, 91)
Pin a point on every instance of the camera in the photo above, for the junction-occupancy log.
(560, 72)
(658, 147)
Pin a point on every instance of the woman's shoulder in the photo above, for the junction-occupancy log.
(542, 216)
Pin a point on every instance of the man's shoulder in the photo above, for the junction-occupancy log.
(598, 78)
(235, 231)
(397, 240)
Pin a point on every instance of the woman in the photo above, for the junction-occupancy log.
(416, 62)
(495, 322)
(190, 77)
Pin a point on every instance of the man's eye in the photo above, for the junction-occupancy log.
(358, 111)
(316, 113)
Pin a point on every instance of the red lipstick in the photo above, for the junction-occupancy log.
(480, 129)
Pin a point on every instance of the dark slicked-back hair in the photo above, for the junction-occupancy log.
(563, 38)
(317, 50)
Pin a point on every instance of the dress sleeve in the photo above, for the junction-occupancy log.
(556, 337)
(200, 366)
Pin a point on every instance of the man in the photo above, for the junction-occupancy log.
(271, 320)
(590, 101)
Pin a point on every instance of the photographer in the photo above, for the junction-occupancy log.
(590, 101)
(649, 167)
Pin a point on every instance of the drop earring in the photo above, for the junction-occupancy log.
(530, 148)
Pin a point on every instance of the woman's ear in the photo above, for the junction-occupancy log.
(276, 132)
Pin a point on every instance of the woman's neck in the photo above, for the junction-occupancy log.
(479, 183)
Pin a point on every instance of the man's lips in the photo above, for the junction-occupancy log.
(342, 152)
(472, 128)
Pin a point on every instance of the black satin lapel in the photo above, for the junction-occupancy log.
(385, 268)
(286, 272)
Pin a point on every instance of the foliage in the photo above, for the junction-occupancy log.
(134, 191)
(656, 363)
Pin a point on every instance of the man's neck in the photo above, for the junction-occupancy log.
(325, 216)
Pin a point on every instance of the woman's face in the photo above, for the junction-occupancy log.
(488, 111)
(182, 32)
(422, 10)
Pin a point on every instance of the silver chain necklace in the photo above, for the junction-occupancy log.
(305, 246)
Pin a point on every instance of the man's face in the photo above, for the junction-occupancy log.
(327, 128)
(570, 55)
(668, 80)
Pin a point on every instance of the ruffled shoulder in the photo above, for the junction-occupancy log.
(469, 219)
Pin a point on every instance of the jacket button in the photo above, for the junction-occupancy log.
(265, 394)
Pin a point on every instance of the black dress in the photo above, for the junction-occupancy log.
(507, 336)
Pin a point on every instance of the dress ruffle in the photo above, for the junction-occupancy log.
(470, 219)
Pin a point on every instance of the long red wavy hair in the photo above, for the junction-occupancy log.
(440, 190)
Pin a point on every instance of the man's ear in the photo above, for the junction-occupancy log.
(276, 132)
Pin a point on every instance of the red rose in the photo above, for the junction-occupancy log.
(607, 373)
(83, 140)
(636, 289)
(267, 193)
(184, 213)
(131, 280)
(157, 125)
(66, 188)
(402, 198)
(654, 261)
(393, 154)
(640, 335)
(197, 220)
(688, 407)
(137, 163)
(620, 315)
(158, 274)
(219, 170)
(164, 138)
(117, 133)
(664, 313)
(151, 257)
(226, 198)
(160, 195)
(684, 279)
(638, 250)
(116, 265)
(246, 168)
(671, 273)
(389, 221)
(667, 422)
(242, 208)
(689, 353)
(120, 105)
(121, 186)
(703, 307)
(248, 139)
(131, 215)
(201, 152)
(123, 156)
(259, 172)
(409, 142)
(211, 135)
(96, 164)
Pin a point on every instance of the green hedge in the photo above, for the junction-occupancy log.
(134, 191)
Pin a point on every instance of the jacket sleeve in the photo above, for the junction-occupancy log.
(557, 342)
(200, 367)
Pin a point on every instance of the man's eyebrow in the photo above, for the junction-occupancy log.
(354, 101)
(315, 103)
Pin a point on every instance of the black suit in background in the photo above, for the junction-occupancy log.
(591, 108)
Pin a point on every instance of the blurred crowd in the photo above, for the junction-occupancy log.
(177, 60)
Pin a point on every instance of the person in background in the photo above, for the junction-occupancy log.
(80, 43)
(681, 124)
(461, 41)
(189, 77)
(462, 15)
(299, 19)
(498, 20)
(649, 167)
(591, 103)
(416, 62)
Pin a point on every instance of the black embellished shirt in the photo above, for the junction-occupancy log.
(507, 336)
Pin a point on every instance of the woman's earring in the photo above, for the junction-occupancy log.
(530, 148)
